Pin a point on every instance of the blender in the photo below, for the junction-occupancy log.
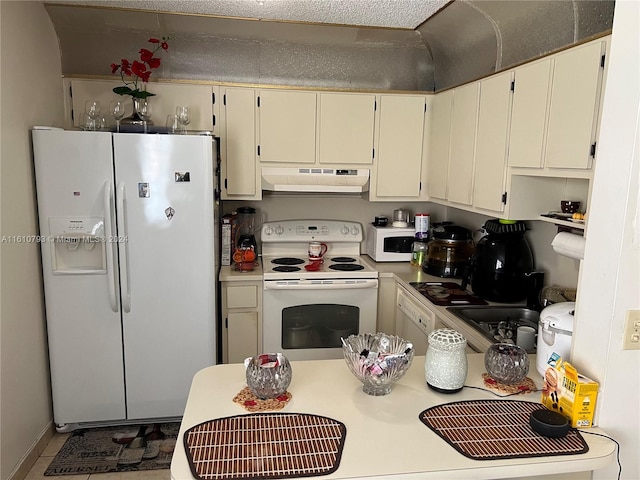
(245, 233)
(245, 251)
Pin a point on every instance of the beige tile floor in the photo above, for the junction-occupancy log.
(37, 471)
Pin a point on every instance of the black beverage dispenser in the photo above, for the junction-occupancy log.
(501, 267)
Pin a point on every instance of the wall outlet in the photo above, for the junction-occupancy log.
(631, 339)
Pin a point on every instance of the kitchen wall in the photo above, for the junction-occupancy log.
(31, 95)
(335, 207)
(610, 276)
(559, 270)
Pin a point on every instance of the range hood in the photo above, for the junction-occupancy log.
(315, 180)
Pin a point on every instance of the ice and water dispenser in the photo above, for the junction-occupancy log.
(77, 245)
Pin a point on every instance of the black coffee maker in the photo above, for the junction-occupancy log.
(501, 269)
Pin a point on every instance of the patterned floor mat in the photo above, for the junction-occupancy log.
(116, 449)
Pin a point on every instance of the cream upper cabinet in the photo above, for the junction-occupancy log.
(491, 143)
(346, 128)
(573, 109)
(529, 114)
(439, 138)
(199, 98)
(239, 176)
(398, 164)
(286, 126)
(464, 120)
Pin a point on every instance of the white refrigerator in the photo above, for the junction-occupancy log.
(127, 238)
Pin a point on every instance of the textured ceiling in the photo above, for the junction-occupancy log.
(408, 14)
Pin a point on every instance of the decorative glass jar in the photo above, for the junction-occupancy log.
(506, 363)
(268, 374)
(445, 366)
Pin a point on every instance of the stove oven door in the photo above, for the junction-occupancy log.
(305, 319)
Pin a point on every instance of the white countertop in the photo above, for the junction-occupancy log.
(228, 273)
(384, 435)
(404, 273)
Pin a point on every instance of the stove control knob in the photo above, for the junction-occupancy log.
(344, 230)
(355, 231)
(268, 231)
(279, 230)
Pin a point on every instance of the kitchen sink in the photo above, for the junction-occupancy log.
(498, 324)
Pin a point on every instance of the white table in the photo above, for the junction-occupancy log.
(384, 435)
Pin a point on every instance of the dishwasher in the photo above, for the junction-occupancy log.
(414, 321)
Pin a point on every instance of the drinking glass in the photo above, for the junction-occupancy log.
(117, 112)
(172, 123)
(143, 107)
(92, 108)
(184, 117)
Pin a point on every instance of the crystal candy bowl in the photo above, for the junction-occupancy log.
(268, 374)
(377, 360)
(506, 363)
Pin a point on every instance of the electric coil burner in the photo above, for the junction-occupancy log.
(287, 261)
(309, 305)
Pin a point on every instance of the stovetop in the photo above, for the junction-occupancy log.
(285, 250)
(301, 267)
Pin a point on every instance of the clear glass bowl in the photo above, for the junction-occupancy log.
(377, 360)
(268, 374)
(506, 363)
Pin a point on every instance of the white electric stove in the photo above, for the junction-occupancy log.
(309, 305)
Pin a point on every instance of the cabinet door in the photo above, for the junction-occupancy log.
(463, 138)
(491, 144)
(439, 138)
(239, 170)
(529, 114)
(577, 76)
(242, 335)
(287, 126)
(167, 96)
(346, 123)
(400, 141)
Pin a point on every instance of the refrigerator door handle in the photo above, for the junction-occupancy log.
(122, 220)
(108, 226)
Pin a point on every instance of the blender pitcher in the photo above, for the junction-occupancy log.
(245, 233)
(245, 251)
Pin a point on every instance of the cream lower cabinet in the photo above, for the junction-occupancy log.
(199, 98)
(241, 317)
(386, 321)
(239, 172)
(397, 172)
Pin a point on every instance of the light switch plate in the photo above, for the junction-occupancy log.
(631, 339)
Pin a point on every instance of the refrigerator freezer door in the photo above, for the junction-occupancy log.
(166, 223)
(74, 178)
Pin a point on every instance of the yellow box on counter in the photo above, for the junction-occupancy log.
(567, 392)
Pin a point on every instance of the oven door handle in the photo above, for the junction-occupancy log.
(333, 285)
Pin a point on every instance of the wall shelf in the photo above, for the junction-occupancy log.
(564, 223)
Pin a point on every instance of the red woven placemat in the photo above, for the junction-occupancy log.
(497, 429)
(265, 445)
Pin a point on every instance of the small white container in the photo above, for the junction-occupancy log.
(422, 225)
(445, 366)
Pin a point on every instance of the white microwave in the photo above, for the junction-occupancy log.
(389, 244)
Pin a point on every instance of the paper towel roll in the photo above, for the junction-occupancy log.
(569, 244)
